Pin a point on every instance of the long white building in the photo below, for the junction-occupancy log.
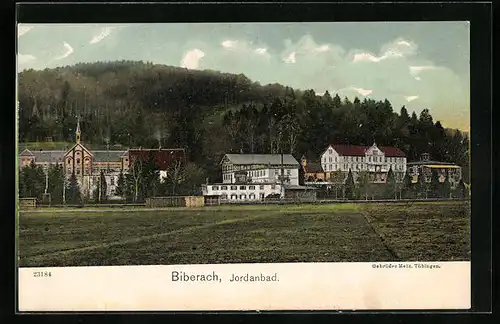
(256, 176)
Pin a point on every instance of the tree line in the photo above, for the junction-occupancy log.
(140, 182)
(392, 189)
(209, 114)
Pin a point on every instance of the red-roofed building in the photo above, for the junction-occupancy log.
(372, 159)
(163, 158)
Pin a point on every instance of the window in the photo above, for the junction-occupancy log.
(215, 187)
(289, 172)
(78, 161)
(251, 187)
(261, 187)
(273, 187)
(330, 159)
(234, 188)
(78, 171)
(223, 188)
(223, 196)
(243, 187)
(69, 161)
(330, 151)
(112, 181)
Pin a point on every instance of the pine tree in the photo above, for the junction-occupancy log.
(407, 186)
(390, 186)
(120, 185)
(435, 185)
(349, 186)
(56, 183)
(422, 185)
(73, 195)
(461, 190)
(446, 186)
(103, 190)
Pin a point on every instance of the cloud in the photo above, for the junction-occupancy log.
(22, 29)
(414, 70)
(411, 98)
(290, 58)
(229, 44)
(361, 91)
(68, 52)
(398, 48)
(418, 78)
(192, 59)
(25, 59)
(105, 32)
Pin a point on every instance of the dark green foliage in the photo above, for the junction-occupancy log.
(210, 113)
(461, 190)
(103, 188)
(120, 185)
(434, 185)
(56, 183)
(446, 186)
(390, 185)
(73, 195)
(31, 182)
(349, 186)
(422, 187)
(408, 187)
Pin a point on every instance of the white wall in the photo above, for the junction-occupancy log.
(229, 190)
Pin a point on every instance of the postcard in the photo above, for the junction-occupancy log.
(243, 166)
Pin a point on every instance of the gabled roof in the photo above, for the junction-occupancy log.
(350, 150)
(392, 151)
(26, 152)
(86, 149)
(360, 150)
(313, 167)
(249, 159)
(163, 158)
(49, 156)
(107, 156)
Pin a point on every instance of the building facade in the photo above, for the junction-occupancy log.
(257, 177)
(425, 166)
(87, 164)
(374, 160)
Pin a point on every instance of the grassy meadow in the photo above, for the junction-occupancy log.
(246, 234)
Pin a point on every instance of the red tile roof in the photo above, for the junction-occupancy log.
(392, 151)
(350, 150)
(358, 150)
(163, 157)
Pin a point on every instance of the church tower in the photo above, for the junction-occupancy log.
(78, 132)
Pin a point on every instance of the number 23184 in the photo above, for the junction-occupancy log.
(42, 274)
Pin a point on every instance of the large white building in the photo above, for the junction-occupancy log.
(257, 176)
(375, 160)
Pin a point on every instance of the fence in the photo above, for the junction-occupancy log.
(178, 201)
(27, 202)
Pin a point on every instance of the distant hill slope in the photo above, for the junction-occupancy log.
(210, 113)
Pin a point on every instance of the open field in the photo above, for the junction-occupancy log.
(230, 234)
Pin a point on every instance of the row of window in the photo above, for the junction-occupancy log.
(261, 187)
(241, 197)
(361, 159)
(358, 167)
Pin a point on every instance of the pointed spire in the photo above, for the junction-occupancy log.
(78, 132)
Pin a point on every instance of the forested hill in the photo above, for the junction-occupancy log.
(211, 113)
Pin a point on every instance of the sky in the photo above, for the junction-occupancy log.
(415, 64)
